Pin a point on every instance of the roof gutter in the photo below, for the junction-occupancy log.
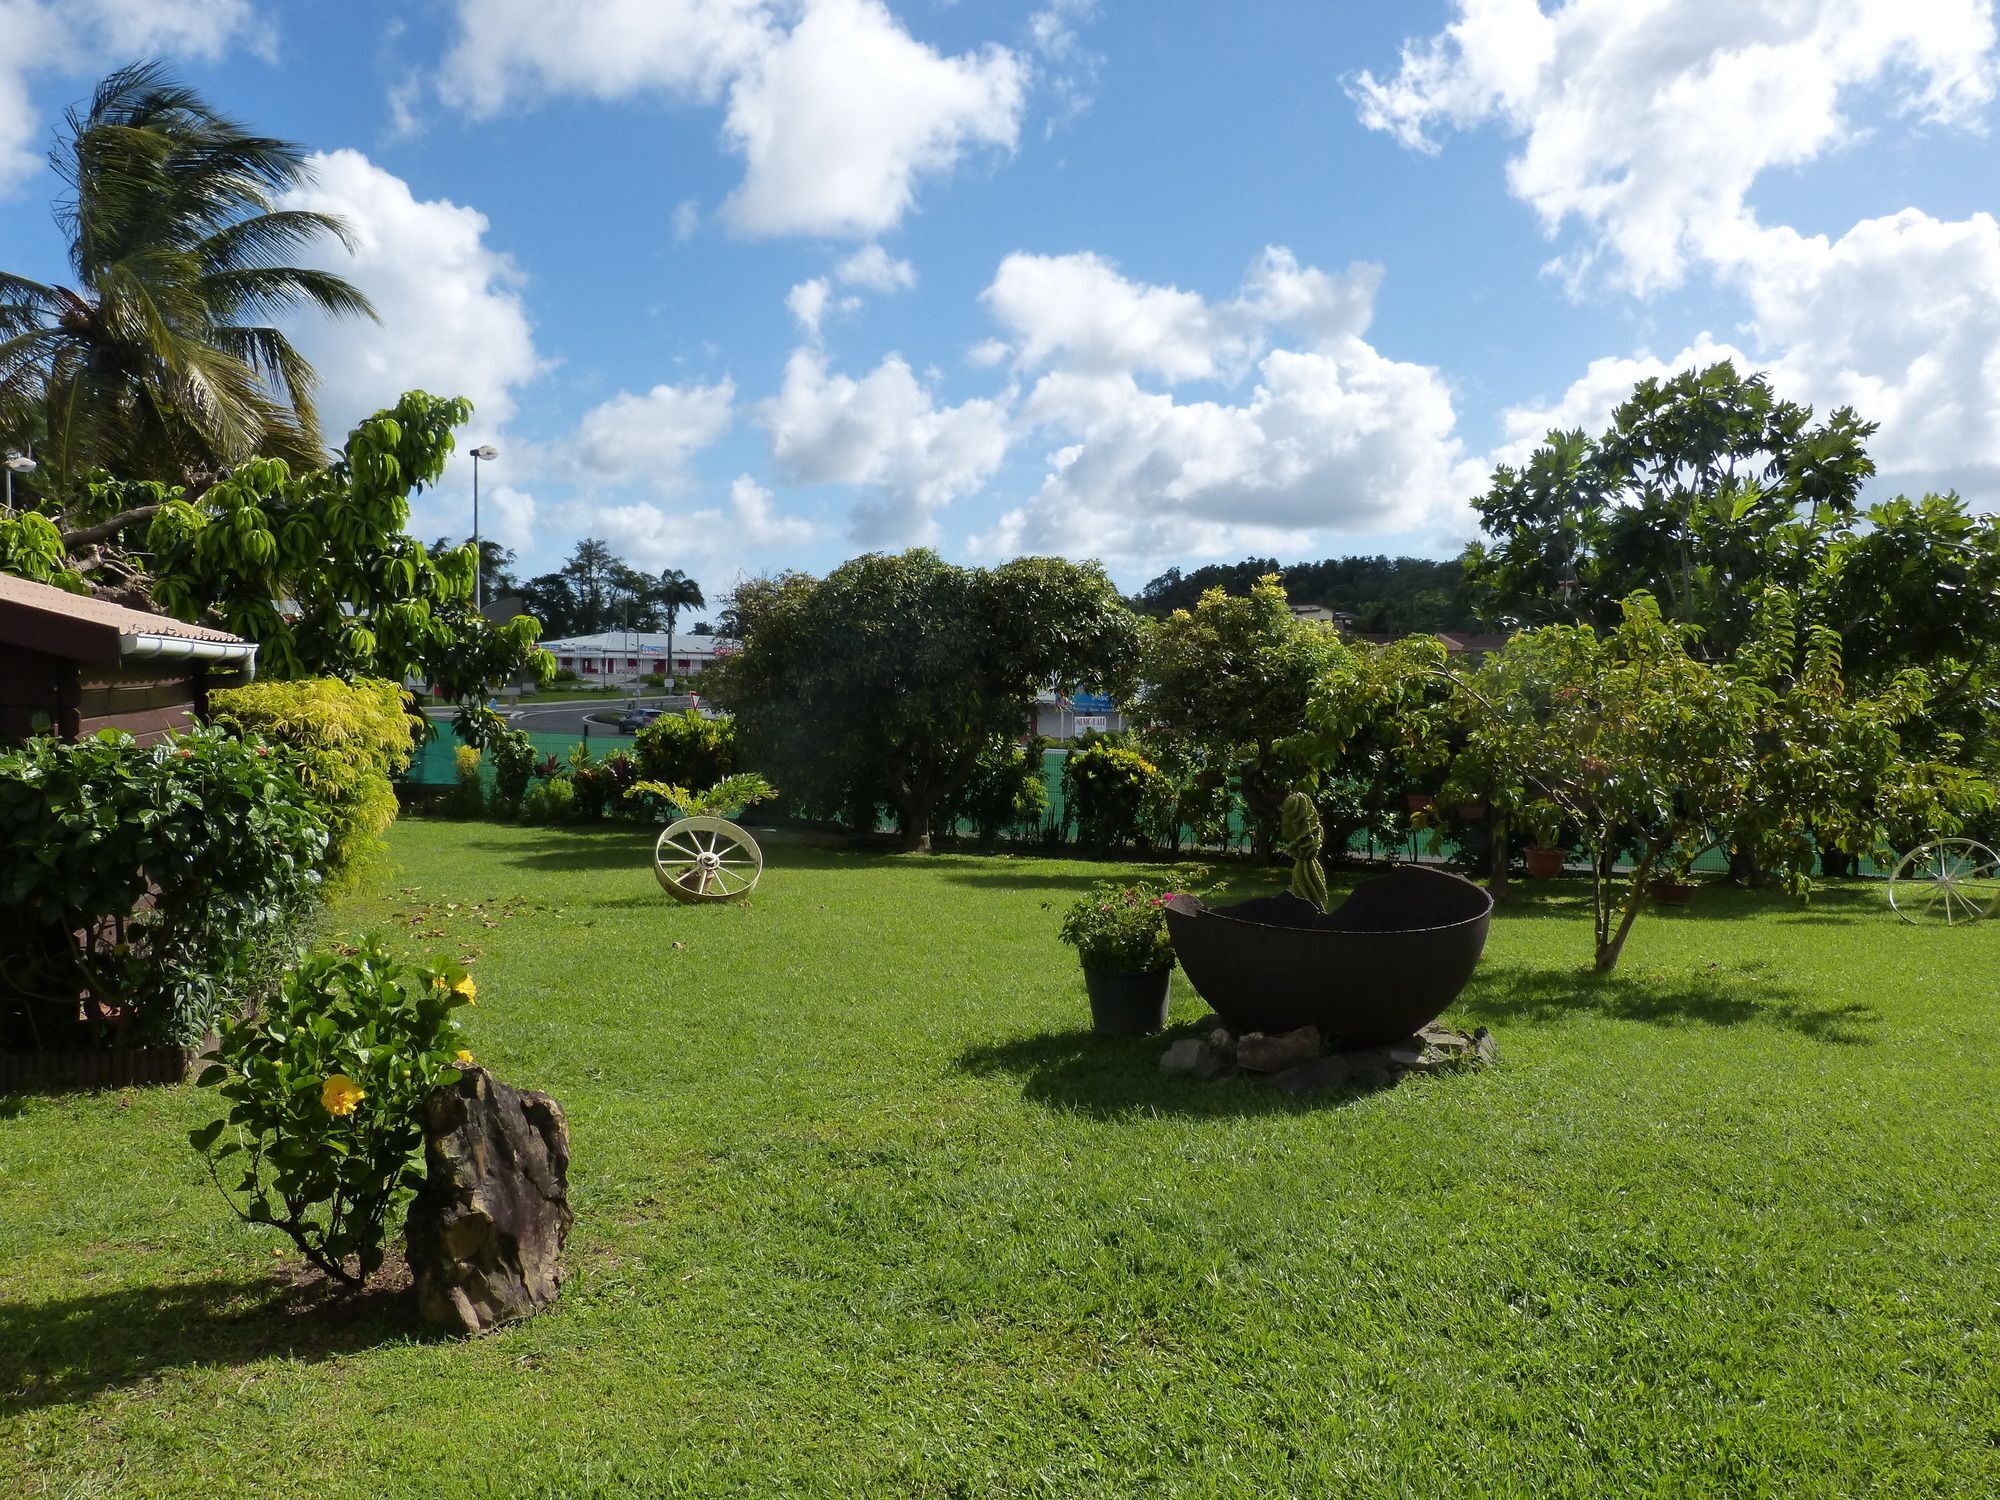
(141, 647)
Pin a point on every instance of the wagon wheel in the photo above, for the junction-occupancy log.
(707, 859)
(1950, 882)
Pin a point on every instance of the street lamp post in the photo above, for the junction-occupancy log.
(485, 452)
(17, 463)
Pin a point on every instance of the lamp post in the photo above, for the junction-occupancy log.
(17, 463)
(485, 452)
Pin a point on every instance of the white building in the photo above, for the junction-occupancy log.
(625, 657)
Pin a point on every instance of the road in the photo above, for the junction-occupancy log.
(566, 718)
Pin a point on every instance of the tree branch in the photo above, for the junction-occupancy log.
(83, 536)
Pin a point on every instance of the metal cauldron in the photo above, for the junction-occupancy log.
(1385, 962)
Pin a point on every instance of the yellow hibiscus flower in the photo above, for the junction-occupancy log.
(464, 1058)
(340, 1094)
(468, 989)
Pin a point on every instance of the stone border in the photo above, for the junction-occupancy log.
(1299, 1063)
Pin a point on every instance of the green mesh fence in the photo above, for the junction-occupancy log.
(436, 765)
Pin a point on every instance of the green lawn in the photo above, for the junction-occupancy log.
(863, 1210)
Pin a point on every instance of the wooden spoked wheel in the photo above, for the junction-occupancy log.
(1946, 884)
(707, 859)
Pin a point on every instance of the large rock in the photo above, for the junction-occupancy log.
(487, 1228)
(1258, 1053)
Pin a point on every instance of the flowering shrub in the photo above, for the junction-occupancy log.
(324, 1089)
(149, 879)
(1121, 929)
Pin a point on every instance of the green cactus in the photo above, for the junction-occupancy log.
(1299, 825)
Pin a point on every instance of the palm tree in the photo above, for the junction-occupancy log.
(162, 362)
(674, 592)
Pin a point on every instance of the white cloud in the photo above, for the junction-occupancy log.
(1332, 437)
(1899, 318)
(835, 108)
(686, 220)
(649, 439)
(1649, 123)
(1649, 126)
(1081, 313)
(884, 431)
(807, 305)
(875, 269)
(452, 318)
(92, 36)
(1590, 400)
(753, 518)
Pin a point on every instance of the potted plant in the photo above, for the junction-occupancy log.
(1546, 854)
(1418, 800)
(1120, 934)
(1673, 887)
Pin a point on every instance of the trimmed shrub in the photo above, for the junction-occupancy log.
(469, 796)
(349, 739)
(151, 880)
(513, 767)
(1107, 792)
(323, 1092)
(550, 801)
(685, 749)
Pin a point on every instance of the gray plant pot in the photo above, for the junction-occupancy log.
(1128, 1004)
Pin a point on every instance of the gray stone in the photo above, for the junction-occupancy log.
(487, 1228)
(1223, 1044)
(1484, 1047)
(1319, 1076)
(1193, 1056)
(1258, 1053)
(1445, 1039)
(1209, 1022)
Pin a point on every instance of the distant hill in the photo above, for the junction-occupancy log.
(1386, 595)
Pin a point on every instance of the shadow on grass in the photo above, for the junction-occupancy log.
(72, 1349)
(1502, 996)
(1110, 1078)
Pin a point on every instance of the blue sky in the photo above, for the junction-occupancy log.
(749, 284)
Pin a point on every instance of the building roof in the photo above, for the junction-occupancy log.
(78, 627)
(641, 643)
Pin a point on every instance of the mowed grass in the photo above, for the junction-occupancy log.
(862, 1209)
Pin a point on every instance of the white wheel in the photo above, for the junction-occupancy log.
(1949, 883)
(706, 859)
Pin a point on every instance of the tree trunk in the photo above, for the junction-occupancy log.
(1610, 946)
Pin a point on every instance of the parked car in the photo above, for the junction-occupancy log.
(635, 719)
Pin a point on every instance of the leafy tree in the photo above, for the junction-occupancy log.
(1705, 489)
(164, 362)
(496, 565)
(1231, 678)
(590, 572)
(885, 681)
(1394, 595)
(316, 566)
(1628, 738)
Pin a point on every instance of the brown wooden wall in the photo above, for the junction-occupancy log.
(32, 684)
(147, 703)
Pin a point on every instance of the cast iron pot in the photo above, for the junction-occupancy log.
(1128, 1004)
(1386, 962)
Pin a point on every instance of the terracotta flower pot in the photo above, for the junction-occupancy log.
(1471, 812)
(1418, 800)
(1128, 1004)
(1544, 864)
(1670, 892)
